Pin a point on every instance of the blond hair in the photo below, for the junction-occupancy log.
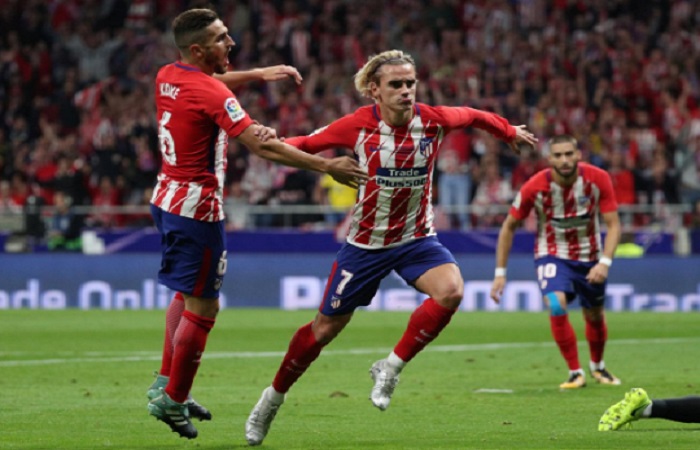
(368, 72)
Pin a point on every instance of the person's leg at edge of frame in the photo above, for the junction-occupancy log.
(683, 409)
(565, 338)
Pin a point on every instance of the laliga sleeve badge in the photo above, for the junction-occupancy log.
(234, 110)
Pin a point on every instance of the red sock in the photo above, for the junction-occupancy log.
(596, 335)
(303, 350)
(189, 342)
(565, 338)
(172, 320)
(425, 324)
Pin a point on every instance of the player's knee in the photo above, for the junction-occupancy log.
(450, 297)
(556, 308)
(594, 315)
(326, 331)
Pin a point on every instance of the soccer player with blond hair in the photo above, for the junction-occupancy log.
(397, 140)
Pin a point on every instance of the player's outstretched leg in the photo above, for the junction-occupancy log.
(196, 410)
(260, 419)
(385, 380)
(625, 411)
(174, 414)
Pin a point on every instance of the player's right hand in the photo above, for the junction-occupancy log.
(347, 171)
(499, 283)
(522, 136)
(281, 72)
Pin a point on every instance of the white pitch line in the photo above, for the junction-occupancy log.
(152, 356)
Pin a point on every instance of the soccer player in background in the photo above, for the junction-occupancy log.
(397, 140)
(570, 261)
(637, 405)
(196, 115)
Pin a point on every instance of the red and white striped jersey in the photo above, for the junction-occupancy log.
(394, 206)
(568, 222)
(196, 115)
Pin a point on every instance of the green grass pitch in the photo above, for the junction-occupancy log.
(77, 380)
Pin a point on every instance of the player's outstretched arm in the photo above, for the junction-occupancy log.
(505, 243)
(233, 79)
(343, 169)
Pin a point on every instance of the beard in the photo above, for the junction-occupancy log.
(572, 174)
(217, 63)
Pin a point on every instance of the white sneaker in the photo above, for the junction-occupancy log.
(385, 381)
(260, 419)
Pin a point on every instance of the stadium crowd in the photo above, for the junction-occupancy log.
(623, 77)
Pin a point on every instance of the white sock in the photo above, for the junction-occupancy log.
(579, 371)
(597, 366)
(395, 362)
(647, 410)
(274, 396)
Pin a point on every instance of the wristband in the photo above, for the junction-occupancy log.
(605, 261)
(500, 272)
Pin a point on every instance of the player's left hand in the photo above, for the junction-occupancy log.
(347, 171)
(522, 136)
(280, 72)
(597, 274)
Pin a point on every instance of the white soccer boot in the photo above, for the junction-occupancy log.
(385, 381)
(260, 419)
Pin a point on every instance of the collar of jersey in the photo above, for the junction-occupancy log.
(183, 66)
(375, 111)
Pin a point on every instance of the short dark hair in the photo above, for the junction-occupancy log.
(563, 139)
(190, 27)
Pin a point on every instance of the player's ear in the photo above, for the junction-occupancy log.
(196, 50)
(374, 88)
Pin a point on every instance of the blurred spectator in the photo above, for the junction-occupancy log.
(628, 248)
(236, 205)
(660, 189)
(528, 164)
(297, 189)
(7, 203)
(687, 159)
(454, 181)
(142, 218)
(339, 197)
(105, 196)
(257, 183)
(623, 183)
(65, 226)
(693, 220)
(492, 192)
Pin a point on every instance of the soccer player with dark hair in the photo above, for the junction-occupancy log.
(196, 116)
(638, 405)
(568, 199)
(397, 140)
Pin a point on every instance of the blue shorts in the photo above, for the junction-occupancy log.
(556, 274)
(356, 272)
(193, 254)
